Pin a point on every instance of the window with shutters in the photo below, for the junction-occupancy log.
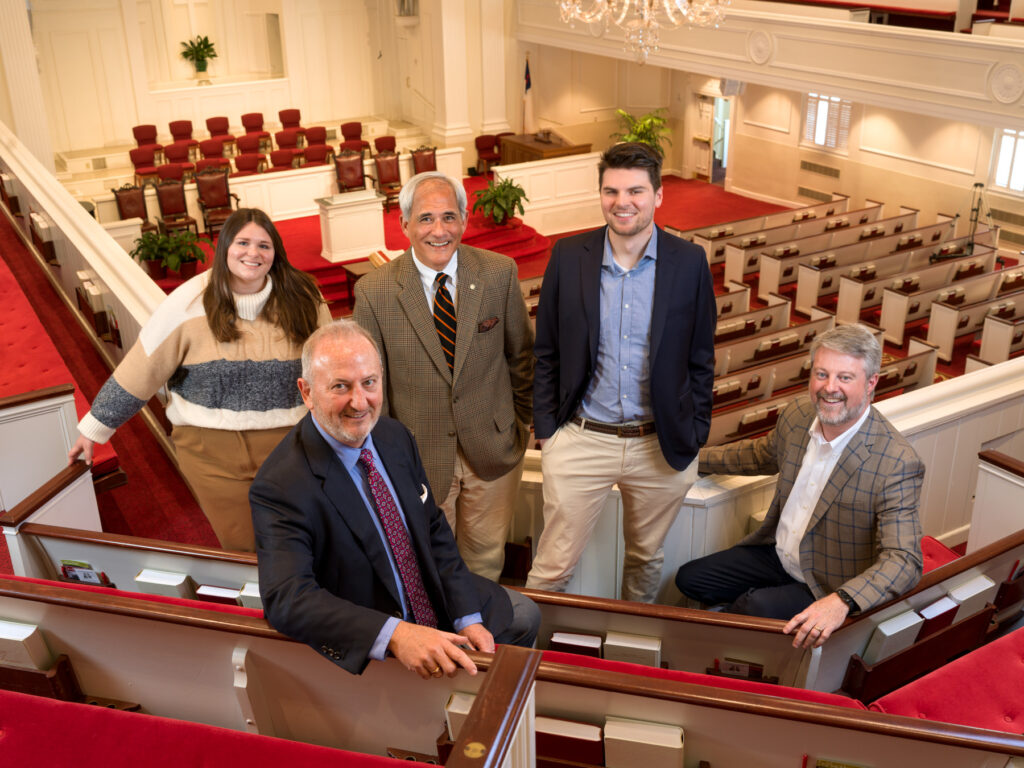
(827, 121)
(1009, 160)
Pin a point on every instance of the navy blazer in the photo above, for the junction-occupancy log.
(682, 342)
(325, 578)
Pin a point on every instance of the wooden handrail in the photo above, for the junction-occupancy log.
(43, 494)
(36, 395)
(138, 543)
(497, 709)
(1001, 460)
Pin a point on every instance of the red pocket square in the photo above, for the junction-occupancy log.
(487, 324)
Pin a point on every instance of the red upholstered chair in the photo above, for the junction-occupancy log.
(173, 171)
(145, 136)
(424, 159)
(353, 131)
(144, 160)
(178, 154)
(251, 144)
(252, 122)
(131, 204)
(289, 139)
(316, 135)
(181, 133)
(348, 167)
(170, 196)
(249, 164)
(282, 160)
(317, 154)
(218, 128)
(389, 178)
(213, 150)
(355, 145)
(499, 136)
(291, 119)
(486, 152)
(214, 199)
(207, 163)
(384, 144)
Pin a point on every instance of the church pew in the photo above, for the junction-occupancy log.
(760, 381)
(819, 275)
(233, 670)
(862, 289)
(900, 307)
(713, 239)
(948, 322)
(754, 350)
(1000, 338)
(766, 239)
(773, 317)
(734, 301)
(998, 508)
(743, 260)
(778, 267)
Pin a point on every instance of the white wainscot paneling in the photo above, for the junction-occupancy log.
(196, 103)
(562, 191)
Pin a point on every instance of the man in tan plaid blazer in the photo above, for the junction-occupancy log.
(469, 407)
(842, 532)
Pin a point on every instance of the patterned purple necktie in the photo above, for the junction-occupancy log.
(398, 540)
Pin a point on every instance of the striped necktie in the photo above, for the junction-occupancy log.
(444, 319)
(398, 540)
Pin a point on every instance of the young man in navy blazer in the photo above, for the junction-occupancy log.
(622, 386)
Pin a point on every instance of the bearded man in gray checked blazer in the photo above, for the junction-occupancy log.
(842, 533)
(468, 399)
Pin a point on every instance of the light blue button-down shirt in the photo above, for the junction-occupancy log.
(620, 391)
(349, 458)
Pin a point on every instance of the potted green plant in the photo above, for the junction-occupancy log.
(199, 51)
(178, 251)
(500, 201)
(651, 129)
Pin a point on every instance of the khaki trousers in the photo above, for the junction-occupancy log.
(479, 512)
(219, 466)
(580, 467)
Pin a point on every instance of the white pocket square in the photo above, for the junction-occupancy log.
(423, 496)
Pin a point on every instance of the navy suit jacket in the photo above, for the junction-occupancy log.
(681, 346)
(324, 574)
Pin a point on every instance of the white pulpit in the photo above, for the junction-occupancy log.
(351, 225)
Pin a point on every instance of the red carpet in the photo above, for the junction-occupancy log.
(155, 502)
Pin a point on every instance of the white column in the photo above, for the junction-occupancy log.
(20, 70)
(451, 114)
(492, 39)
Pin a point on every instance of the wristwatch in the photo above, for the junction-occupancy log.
(850, 602)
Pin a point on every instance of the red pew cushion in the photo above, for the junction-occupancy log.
(934, 553)
(96, 737)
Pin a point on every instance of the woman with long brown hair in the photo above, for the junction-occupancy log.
(226, 344)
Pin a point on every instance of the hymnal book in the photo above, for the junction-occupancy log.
(632, 743)
(223, 595)
(973, 595)
(250, 595)
(638, 649)
(456, 711)
(938, 615)
(569, 740)
(167, 583)
(571, 642)
(23, 645)
(892, 636)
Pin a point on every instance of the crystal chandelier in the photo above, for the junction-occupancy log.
(640, 19)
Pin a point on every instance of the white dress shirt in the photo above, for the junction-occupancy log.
(820, 459)
(428, 275)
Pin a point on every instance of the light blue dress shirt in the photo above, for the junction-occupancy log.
(620, 391)
(349, 458)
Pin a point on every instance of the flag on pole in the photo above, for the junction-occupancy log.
(528, 123)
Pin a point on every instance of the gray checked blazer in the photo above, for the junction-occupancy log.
(864, 534)
(485, 404)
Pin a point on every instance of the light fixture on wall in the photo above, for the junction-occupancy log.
(641, 20)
